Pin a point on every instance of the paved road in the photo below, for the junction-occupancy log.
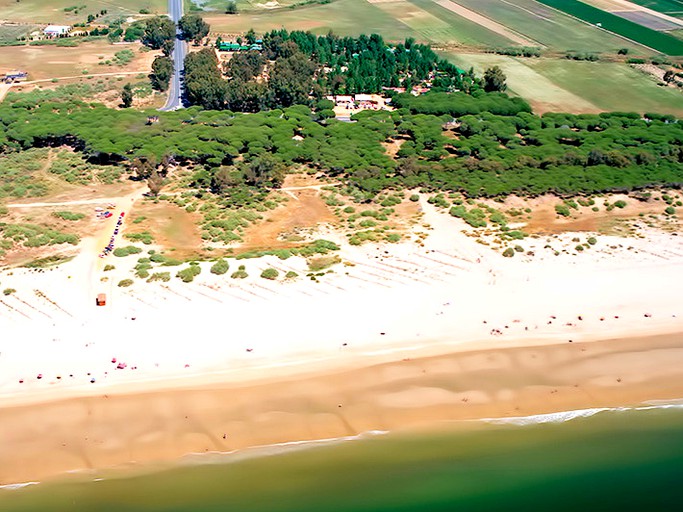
(175, 91)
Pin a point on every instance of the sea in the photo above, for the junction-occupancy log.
(617, 459)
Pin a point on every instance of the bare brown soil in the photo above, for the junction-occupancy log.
(305, 209)
(174, 229)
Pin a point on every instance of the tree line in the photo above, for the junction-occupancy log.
(458, 145)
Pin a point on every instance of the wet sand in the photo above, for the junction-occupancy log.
(43, 440)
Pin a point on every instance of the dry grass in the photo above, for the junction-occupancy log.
(46, 62)
(173, 229)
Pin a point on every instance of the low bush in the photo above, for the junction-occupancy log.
(160, 276)
(8, 291)
(124, 283)
(562, 209)
(220, 267)
(270, 273)
(509, 252)
(322, 262)
(670, 210)
(592, 240)
(126, 251)
(145, 237)
(107, 268)
(69, 215)
(188, 274)
(240, 273)
(291, 275)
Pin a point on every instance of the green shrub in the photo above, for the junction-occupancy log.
(414, 198)
(69, 215)
(139, 219)
(561, 209)
(270, 273)
(126, 251)
(579, 248)
(291, 275)
(670, 210)
(620, 204)
(220, 267)
(124, 283)
(592, 240)
(322, 262)
(240, 273)
(509, 252)
(519, 248)
(160, 276)
(393, 237)
(349, 209)
(8, 291)
(144, 237)
(188, 274)
(107, 268)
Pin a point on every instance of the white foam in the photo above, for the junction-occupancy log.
(562, 416)
(13, 487)
(217, 457)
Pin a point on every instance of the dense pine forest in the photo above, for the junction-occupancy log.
(485, 144)
(302, 68)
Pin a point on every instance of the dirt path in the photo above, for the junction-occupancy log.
(485, 22)
(97, 200)
(311, 187)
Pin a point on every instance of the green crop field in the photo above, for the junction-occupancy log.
(10, 33)
(343, 17)
(423, 20)
(458, 30)
(611, 86)
(656, 40)
(559, 85)
(52, 11)
(542, 94)
(547, 26)
(671, 7)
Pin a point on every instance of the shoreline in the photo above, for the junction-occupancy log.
(396, 336)
(159, 427)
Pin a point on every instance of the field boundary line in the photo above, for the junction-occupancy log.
(599, 28)
(488, 23)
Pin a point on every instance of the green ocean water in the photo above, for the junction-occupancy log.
(612, 460)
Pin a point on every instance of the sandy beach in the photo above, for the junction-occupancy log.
(397, 336)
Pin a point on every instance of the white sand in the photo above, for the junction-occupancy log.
(398, 300)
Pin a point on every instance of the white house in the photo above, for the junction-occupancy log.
(56, 30)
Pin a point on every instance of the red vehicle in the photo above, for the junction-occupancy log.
(108, 214)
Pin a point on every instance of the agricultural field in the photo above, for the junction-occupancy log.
(95, 57)
(10, 33)
(549, 27)
(61, 12)
(558, 85)
(670, 7)
(242, 5)
(343, 17)
(483, 23)
(657, 40)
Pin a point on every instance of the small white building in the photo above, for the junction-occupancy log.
(56, 30)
